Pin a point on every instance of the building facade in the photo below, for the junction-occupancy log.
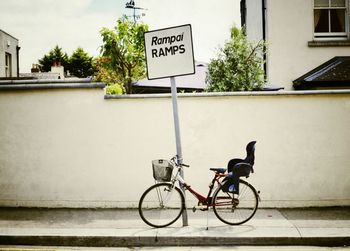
(301, 34)
(9, 55)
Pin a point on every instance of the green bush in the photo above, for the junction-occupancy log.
(238, 66)
(114, 89)
(122, 57)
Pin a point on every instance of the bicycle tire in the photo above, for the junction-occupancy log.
(236, 209)
(157, 209)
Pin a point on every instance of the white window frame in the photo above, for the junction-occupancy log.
(333, 35)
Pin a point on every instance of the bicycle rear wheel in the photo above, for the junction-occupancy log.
(161, 205)
(236, 209)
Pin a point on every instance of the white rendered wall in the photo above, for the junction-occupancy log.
(8, 44)
(254, 20)
(290, 28)
(72, 148)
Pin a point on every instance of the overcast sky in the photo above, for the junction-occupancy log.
(41, 24)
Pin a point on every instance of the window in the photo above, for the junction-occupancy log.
(331, 19)
(8, 65)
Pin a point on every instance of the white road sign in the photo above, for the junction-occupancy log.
(169, 52)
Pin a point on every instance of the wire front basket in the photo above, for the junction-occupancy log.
(162, 170)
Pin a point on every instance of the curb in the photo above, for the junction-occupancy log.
(149, 241)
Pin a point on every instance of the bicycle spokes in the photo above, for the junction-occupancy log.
(233, 208)
(161, 205)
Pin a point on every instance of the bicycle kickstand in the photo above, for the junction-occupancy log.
(208, 218)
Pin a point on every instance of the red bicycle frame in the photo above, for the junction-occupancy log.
(207, 201)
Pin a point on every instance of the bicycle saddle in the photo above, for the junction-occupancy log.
(218, 169)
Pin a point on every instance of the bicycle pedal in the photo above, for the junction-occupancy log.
(200, 207)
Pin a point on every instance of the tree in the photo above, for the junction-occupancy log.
(122, 53)
(55, 55)
(81, 64)
(238, 66)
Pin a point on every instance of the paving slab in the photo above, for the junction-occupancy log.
(124, 228)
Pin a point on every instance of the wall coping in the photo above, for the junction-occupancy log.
(42, 85)
(44, 81)
(231, 94)
(38, 84)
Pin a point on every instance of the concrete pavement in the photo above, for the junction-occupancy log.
(124, 228)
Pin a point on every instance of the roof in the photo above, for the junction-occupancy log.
(194, 82)
(8, 34)
(334, 73)
(190, 83)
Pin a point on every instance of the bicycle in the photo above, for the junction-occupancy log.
(234, 200)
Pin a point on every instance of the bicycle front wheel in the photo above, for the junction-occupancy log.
(161, 205)
(236, 209)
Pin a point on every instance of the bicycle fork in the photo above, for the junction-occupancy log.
(168, 194)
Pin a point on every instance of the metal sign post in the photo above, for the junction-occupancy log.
(178, 141)
(169, 53)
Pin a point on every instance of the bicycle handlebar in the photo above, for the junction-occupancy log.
(176, 162)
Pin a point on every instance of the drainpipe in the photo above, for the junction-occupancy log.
(17, 55)
(263, 9)
(243, 13)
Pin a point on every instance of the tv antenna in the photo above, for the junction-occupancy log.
(131, 5)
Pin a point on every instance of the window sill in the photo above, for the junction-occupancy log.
(333, 43)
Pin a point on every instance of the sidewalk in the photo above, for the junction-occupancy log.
(124, 228)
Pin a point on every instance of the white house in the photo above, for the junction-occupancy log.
(301, 35)
(9, 55)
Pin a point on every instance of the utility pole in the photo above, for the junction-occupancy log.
(169, 67)
(178, 141)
